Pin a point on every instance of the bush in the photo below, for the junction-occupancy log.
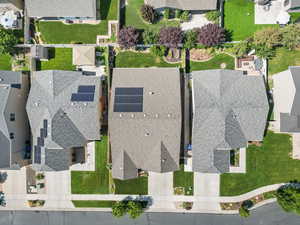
(213, 16)
(244, 212)
(291, 36)
(171, 36)
(167, 13)
(269, 36)
(7, 41)
(119, 209)
(288, 197)
(134, 209)
(264, 52)
(242, 48)
(150, 37)
(148, 13)
(211, 35)
(128, 37)
(178, 13)
(158, 50)
(185, 16)
(190, 39)
(40, 176)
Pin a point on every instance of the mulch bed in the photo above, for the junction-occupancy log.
(200, 55)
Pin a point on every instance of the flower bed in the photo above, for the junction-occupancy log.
(200, 55)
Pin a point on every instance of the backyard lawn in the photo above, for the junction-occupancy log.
(60, 59)
(93, 204)
(5, 62)
(137, 186)
(84, 182)
(239, 19)
(137, 60)
(185, 180)
(283, 59)
(133, 18)
(214, 63)
(269, 164)
(59, 33)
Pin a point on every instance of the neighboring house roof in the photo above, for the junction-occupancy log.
(39, 52)
(145, 120)
(11, 5)
(184, 4)
(287, 99)
(295, 3)
(84, 55)
(61, 8)
(229, 109)
(61, 117)
(10, 85)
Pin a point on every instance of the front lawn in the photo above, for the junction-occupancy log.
(96, 182)
(214, 63)
(269, 164)
(140, 60)
(59, 59)
(295, 17)
(133, 17)
(239, 19)
(185, 180)
(283, 59)
(5, 62)
(93, 204)
(137, 186)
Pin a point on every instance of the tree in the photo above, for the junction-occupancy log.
(190, 39)
(119, 209)
(171, 37)
(288, 197)
(150, 37)
(158, 50)
(242, 48)
(134, 209)
(244, 212)
(264, 52)
(128, 37)
(211, 35)
(269, 36)
(7, 41)
(291, 36)
(213, 16)
(148, 13)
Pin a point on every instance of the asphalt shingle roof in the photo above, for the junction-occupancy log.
(230, 109)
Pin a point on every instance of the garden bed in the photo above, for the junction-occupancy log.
(200, 55)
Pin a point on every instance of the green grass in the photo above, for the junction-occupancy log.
(137, 60)
(83, 182)
(295, 17)
(93, 204)
(133, 17)
(60, 59)
(214, 63)
(5, 62)
(184, 179)
(55, 32)
(239, 19)
(137, 186)
(269, 164)
(283, 59)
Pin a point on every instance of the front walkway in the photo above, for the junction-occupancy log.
(197, 21)
(296, 145)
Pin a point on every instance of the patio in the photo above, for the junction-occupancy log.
(197, 21)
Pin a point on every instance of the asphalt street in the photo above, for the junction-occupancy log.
(267, 215)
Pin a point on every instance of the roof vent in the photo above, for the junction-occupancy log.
(36, 104)
(145, 114)
(151, 93)
(85, 104)
(121, 115)
(156, 115)
(163, 160)
(147, 134)
(72, 103)
(132, 115)
(169, 115)
(1, 79)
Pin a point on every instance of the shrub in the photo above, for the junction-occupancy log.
(128, 37)
(171, 36)
(7, 41)
(213, 16)
(158, 50)
(291, 36)
(167, 13)
(211, 35)
(134, 209)
(190, 39)
(150, 37)
(269, 36)
(119, 209)
(288, 197)
(244, 212)
(264, 52)
(178, 13)
(242, 48)
(148, 13)
(185, 16)
(40, 176)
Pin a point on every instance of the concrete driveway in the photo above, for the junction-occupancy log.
(160, 184)
(206, 184)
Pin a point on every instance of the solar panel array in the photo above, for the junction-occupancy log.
(40, 142)
(85, 93)
(37, 154)
(128, 100)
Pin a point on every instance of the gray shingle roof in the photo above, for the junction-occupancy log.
(184, 4)
(70, 124)
(230, 109)
(148, 140)
(61, 8)
(295, 3)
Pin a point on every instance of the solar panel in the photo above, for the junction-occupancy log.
(86, 89)
(129, 91)
(45, 128)
(82, 97)
(37, 154)
(128, 99)
(128, 108)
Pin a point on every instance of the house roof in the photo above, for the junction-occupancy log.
(184, 4)
(286, 98)
(148, 139)
(295, 3)
(7, 79)
(230, 109)
(84, 55)
(39, 52)
(57, 121)
(61, 8)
